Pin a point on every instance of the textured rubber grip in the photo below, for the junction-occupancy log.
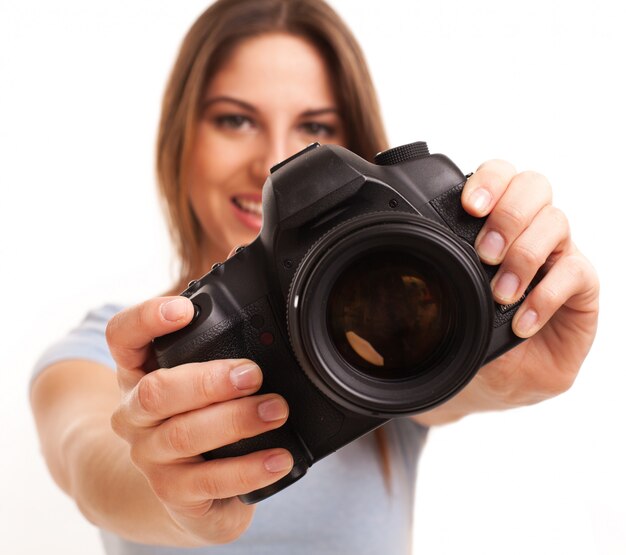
(240, 336)
(448, 206)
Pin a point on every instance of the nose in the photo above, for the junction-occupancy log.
(272, 149)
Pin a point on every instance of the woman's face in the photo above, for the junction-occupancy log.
(271, 98)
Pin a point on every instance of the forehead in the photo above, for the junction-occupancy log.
(279, 66)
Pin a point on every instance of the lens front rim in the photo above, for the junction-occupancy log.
(316, 351)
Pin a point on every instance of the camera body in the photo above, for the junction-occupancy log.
(361, 299)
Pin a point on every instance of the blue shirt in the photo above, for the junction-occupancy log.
(342, 506)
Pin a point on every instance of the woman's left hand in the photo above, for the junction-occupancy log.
(524, 233)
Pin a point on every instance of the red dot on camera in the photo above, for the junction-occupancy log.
(266, 338)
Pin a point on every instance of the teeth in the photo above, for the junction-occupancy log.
(249, 205)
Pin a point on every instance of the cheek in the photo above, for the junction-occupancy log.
(203, 192)
(207, 174)
(215, 161)
(216, 170)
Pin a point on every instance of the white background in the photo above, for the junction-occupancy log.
(540, 83)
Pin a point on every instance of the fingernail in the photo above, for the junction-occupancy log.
(480, 200)
(491, 246)
(278, 463)
(175, 310)
(507, 286)
(272, 410)
(527, 322)
(246, 376)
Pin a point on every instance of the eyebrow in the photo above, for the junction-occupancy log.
(230, 99)
(251, 108)
(319, 112)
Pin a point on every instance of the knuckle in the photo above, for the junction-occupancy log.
(244, 477)
(588, 275)
(542, 386)
(512, 216)
(501, 384)
(567, 381)
(110, 333)
(553, 385)
(235, 420)
(119, 423)
(576, 267)
(559, 219)
(178, 437)
(233, 529)
(196, 511)
(488, 178)
(531, 176)
(527, 256)
(143, 317)
(537, 182)
(151, 392)
(137, 455)
(139, 317)
(229, 535)
(207, 486)
(204, 383)
(493, 170)
(163, 487)
(229, 524)
(547, 297)
(562, 383)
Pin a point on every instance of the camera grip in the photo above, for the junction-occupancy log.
(240, 336)
(448, 206)
(282, 437)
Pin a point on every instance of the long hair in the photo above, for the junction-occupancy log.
(205, 48)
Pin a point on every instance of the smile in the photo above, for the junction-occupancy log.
(247, 205)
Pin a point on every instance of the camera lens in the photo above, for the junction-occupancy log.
(387, 315)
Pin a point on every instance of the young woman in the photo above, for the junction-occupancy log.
(255, 81)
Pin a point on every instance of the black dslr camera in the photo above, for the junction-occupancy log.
(361, 299)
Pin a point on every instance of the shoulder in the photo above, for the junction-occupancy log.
(98, 318)
(85, 341)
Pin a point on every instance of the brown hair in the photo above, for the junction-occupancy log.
(205, 48)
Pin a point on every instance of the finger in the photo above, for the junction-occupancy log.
(523, 199)
(167, 392)
(567, 284)
(130, 332)
(547, 236)
(484, 188)
(186, 487)
(188, 435)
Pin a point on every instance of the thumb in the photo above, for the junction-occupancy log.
(130, 333)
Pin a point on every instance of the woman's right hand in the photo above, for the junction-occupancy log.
(170, 416)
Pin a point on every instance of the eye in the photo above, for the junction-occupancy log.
(317, 129)
(234, 122)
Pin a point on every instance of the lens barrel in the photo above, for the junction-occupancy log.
(390, 314)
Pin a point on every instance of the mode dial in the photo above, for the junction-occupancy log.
(402, 154)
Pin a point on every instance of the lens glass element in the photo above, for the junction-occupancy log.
(387, 314)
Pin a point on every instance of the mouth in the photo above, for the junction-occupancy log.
(248, 210)
(248, 205)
